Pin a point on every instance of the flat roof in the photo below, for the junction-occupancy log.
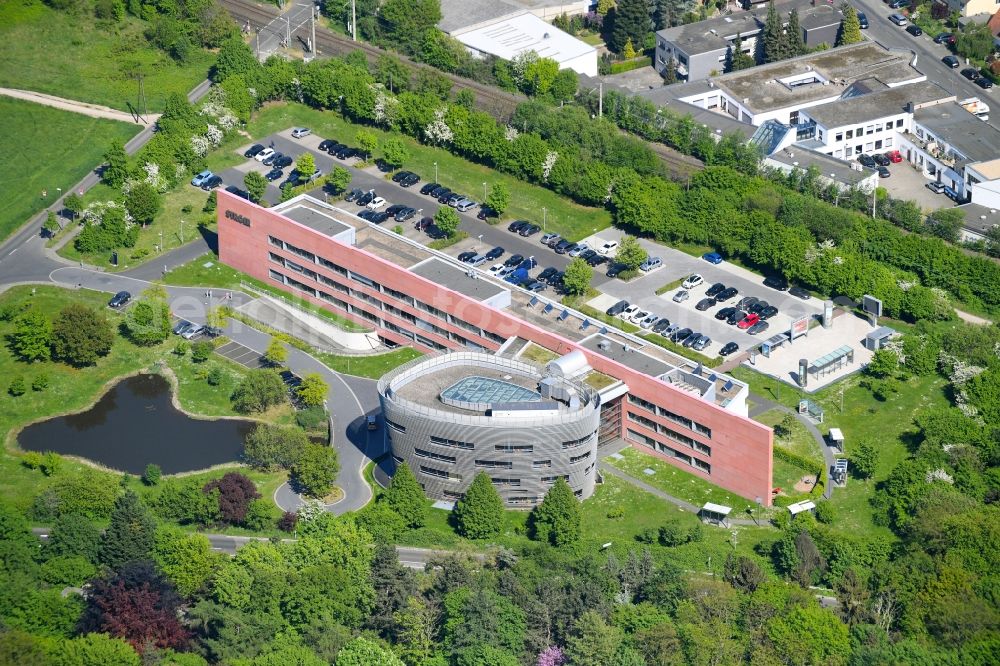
(836, 434)
(877, 104)
(628, 354)
(458, 14)
(799, 507)
(991, 169)
(512, 35)
(760, 89)
(830, 167)
(316, 220)
(468, 283)
(976, 140)
(979, 218)
(716, 508)
(426, 389)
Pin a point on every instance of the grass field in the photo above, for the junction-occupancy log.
(674, 481)
(47, 149)
(77, 57)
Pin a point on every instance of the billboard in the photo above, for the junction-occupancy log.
(871, 305)
(800, 327)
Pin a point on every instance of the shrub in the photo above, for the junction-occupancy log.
(825, 512)
(287, 521)
(258, 391)
(16, 387)
(215, 376)
(269, 447)
(151, 475)
(312, 419)
(182, 348)
(201, 351)
(236, 492)
(40, 382)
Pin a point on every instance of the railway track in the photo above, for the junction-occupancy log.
(498, 103)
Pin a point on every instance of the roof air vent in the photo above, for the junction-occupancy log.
(545, 36)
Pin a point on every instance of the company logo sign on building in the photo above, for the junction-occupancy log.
(236, 217)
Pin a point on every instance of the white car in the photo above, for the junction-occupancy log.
(579, 249)
(627, 313)
(638, 316)
(693, 281)
(300, 132)
(496, 268)
(264, 154)
(682, 296)
(376, 203)
(608, 249)
(649, 321)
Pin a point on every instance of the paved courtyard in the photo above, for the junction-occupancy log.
(908, 183)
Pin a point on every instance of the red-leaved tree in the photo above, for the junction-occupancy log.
(235, 493)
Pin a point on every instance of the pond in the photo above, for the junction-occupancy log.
(134, 424)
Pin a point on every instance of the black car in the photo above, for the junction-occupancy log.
(705, 304)
(423, 223)
(728, 349)
(513, 260)
(862, 20)
(395, 208)
(445, 195)
(883, 172)
(758, 307)
(365, 198)
(661, 325)
(495, 253)
(715, 290)
(366, 214)
(354, 194)
(281, 161)
(614, 269)
(429, 187)
(253, 150)
(528, 264)
(405, 214)
(681, 335)
(726, 294)
(768, 312)
(410, 180)
(325, 144)
(563, 246)
(736, 317)
(746, 302)
(799, 292)
(914, 30)
(529, 230)
(867, 160)
(597, 259)
(881, 160)
(970, 73)
(759, 327)
(516, 225)
(270, 160)
(120, 299)
(438, 191)
(379, 216)
(944, 38)
(780, 283)
(273, 175)
(587, 254)
(984, 83)
(333, 148)
(486, 212)
(691, 339)
(616, 309)
(212, 183)
(399, 176)
(535, 286)
(243, 194)
(951, 61)
(346, 152)
(467, 256)
(724, 313)
(547, 273)
(557, 279)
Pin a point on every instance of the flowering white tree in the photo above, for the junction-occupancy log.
(200, 145)
(386, 106)
(510, 133)
(548, 163)
(94, 213)
(437, 131)
(154, 177)
(214, 135)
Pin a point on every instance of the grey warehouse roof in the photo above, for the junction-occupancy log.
(631, 357)
(452, 277)
(459, 14)
(316, 220)
(969, 135)
(877, 104)
(979, 218)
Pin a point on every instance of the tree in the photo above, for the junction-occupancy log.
(447, 220)
(315, 472)
(201, 351)
(577, 277)
(630, 19)
(305, 164)
(539, 76)
(138, 605)
(670, 72)
(147, 322)
(813, 634)
(479, 513)
(865, 460)
(630, 254)
(186, 559)
(51, 225)
(743, 573)
(276, 353)
(414, 624)
(258, 391)
(73, 535)
(593, 642)
(338, 179)
(739, 60)
(80, 335)
(406, 497)
(17, 387)
(269, 447)
(115, 172)
(32, 336)
(773, 45)
(629, 51)
(364, 652)
(850, 26)
(216, 320)
(256, 185)
(151, 475)
(367, 140)
(235, 492)
(884, 363)
(394, 152)
(393, 585)
(557, 519)
(143, 202)
(793, 35)
(73, 202)
(129, 536)
(93, 650)
(406, 22)
(499, 198)
(565, 85)
(313, 390)
(946, 223)
(236, 59)
(975, 41)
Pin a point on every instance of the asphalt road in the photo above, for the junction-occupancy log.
(928, 54)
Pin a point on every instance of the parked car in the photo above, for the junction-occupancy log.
(588, 255)
(181, 326)
(281, 161)
(944, 38)
(399, 176)
(346, 152)
(799, 292)
(609, 248)
(758, 307)
(914, 30)
(579, 249)
(326, 144)
(705, 304)
(746, 302)
(465, 205)
(410, 180)
(681, 334)
(768, 312)
(428, 188)
(715, 290)
(651, 263)
(514, 260)
(395, 208)
(693, 281)
(354, 194)
(333, 148)
(529, 230)
(466, 257)
(701, 343)
(438, 191)
(881, 160)
(728, 348)
(200, 178)
(759, 327)
(661, 325)
(736, 317)
(549, 239)
(596, 259)
(120, 299)
(898, 19)
(273, 175)
(423, 223)
(536, 286)
(648, 322)
(614, 270)
(862, 20)
(867, 160)
(192, 331)
(712, 257)
(454, 199)
(970, 73)
(691, 339)
(528, 264)
(235, 191)
(495, 269)
(371, 422)
(445, 196)
(270, 159)
(950, 60)
(727, 293)
(376, 203)
(212, 183)
(883, 172)
(935, 186)
(748, 321)
(405, 214)
(563, 246)
(300, 132)
(253, 150)
(264, 154)
(495, 253)
(723, 313)
(547, 273)
(365, 198)
(682, 296)
(516, 225)
(984, 83)
(894, 156)
(776, 282)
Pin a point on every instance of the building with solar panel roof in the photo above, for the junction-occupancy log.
(454, 415)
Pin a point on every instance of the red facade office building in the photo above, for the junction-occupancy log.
(407, 294)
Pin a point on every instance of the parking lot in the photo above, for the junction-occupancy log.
(907, 182)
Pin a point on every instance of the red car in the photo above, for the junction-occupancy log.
(748, 321)
(894, 156)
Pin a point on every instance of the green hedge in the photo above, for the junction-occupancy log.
(807, 464)
(629, 65)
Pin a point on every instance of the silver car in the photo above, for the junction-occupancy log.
(192, 331)
(649, 321)
(701, 343)
(682, 296)
(300, 132)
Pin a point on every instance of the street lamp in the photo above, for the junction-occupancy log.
(756, 517)
(544, 215)
(161, 241)
(484, 192)
(435, 172)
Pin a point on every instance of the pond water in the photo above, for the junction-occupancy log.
(134, 424)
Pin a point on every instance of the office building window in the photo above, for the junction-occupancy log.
(421, 453)
(515, 448)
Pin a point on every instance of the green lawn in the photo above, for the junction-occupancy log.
(674, 481)
(47, 149)
(373, 366)
(800, 441)
(72, 55)
(563, 216)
